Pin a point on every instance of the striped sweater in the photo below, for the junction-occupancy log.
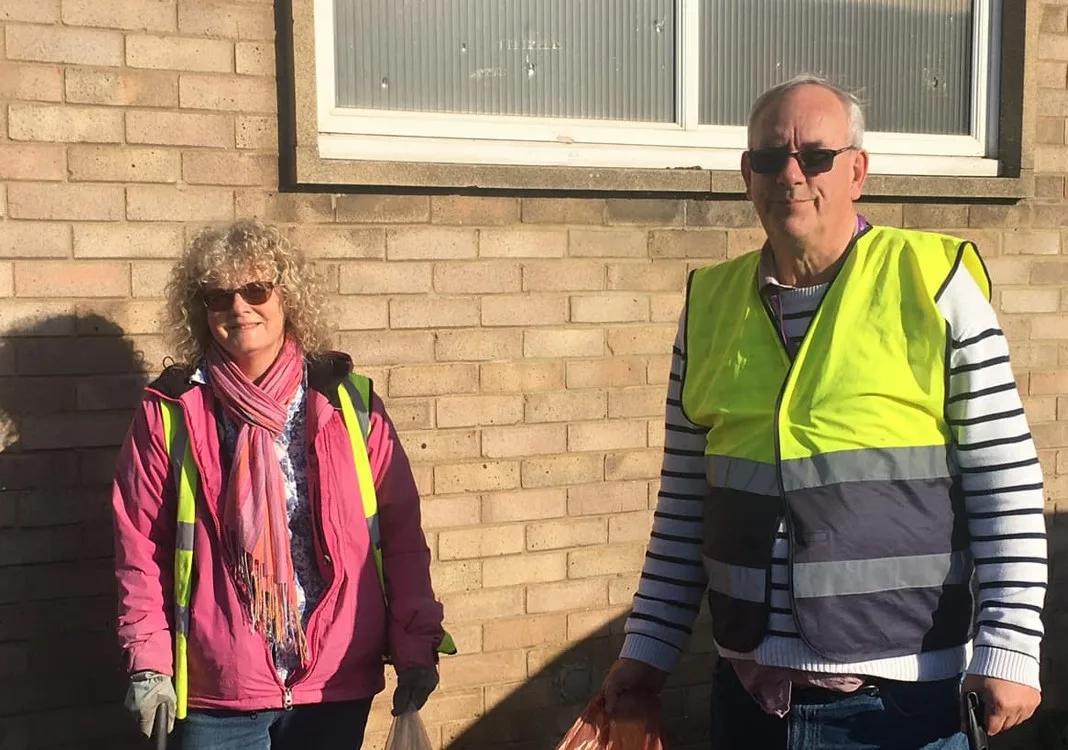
(1002, 483)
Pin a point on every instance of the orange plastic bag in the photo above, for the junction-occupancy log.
(635, 724)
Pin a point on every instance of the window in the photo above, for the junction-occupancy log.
(648, 83)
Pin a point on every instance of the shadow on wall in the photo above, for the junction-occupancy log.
(67, 388)
(537, 714)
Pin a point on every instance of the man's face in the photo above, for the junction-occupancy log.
(794, 201)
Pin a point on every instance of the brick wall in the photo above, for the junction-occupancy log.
(521, 344)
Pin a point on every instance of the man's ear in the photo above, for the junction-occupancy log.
(860, 173)
(747, 173)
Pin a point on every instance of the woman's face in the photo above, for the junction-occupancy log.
(246, 318)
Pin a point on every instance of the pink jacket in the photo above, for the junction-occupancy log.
(230, 665)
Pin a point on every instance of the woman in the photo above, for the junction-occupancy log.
(249, 591)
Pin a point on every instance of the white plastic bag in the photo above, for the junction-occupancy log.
(407, 732)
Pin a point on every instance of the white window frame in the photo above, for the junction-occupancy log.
(381, 135)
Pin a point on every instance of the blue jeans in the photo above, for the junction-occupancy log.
(316, 726)
(896, 716)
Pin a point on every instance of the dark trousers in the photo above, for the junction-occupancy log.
(317, 726)
(890, 716)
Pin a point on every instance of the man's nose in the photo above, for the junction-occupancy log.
(791, 173)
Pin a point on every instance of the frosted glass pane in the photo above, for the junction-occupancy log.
(601, 59)
(908, 60)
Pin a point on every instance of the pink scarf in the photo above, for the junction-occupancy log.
(255, 523)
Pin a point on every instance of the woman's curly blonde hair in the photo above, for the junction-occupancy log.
(225, 256)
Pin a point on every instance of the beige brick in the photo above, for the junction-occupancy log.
(406, 413)
(7, 279)
(359, 313)
(149, 279)
(1052, 47)
(630, 527)
(180, 129)
(524, 310)
(742, 241)
(521, 377)
(272, 207)
(515, 570)
(606, 436)
(424, 485)
(122, 87)
(133, 317)
(1029, 300)
(336, 242)
(441, 445)
(127, 241)
(485, 541)
(643, 401)
(64, 124)
(430, 244)
(1012, 269)
(621, 589)
(1049, 130)
(607, 243)
(644, 211)
(1050, 272)
(563, 276)
(230, 93)
(1052, 75)
(606, 373)
(659, 369)
(524, 505)
(158, 203)
(389, 347)
(253, 131)
(231, 168)
(476, 345)
(433, 380)
(72, 279)
(604, 561)
(656, 276)
(372, 208)
(688, 243)
(178, 53)
(467, 411)
(583, 625)
(656, 433)
(567, 595)
(607, 498)
(37, 11)
(477, 670)
(565, 342)
(1054, 383)
(64, 45)
(665, 308)
(478, 277)
(1025, 356)
(632, 465)
(133, 15)
(34, 318)
(1042, 408)
(32, 161)
(483, 605)
(225, 19)
(483, 476)
(524, 632)
(563, 210)
(255, 58)
(1029, 242)
(1046, 327)
(467, 210)
(618, 307)
(522, 243)
(64, 201)
(524, 440)
(123, 164)
(452, 577)
(31, 82)
(1054, 19)
(377, 277)
(433, 312)
(565, 406)
(557, 471)
(652, 339)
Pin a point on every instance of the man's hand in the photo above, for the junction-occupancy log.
(1005, 703)
(627, 675)
(147, 691)
(414, 686)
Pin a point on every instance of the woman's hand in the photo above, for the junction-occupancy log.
(414, 686)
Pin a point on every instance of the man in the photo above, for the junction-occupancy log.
(844, 446)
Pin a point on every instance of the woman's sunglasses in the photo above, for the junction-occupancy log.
(255, 293)
(812, 161)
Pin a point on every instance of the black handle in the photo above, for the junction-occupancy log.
(977, 739)
(159, 727)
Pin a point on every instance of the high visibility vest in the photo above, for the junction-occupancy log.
(848, 442)
(354, 395)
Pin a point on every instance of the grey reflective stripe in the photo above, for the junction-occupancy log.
(372, 530)
(846, 577)
(185, 536)
(177, 449)
(182, 619)
(359, 406)
(729, 473)
(735, 581)
(868, 464)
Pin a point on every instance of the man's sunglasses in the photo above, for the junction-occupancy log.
(812, 161)
(256, 293)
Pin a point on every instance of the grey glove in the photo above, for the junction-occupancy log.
(147, 691)
(414, 686)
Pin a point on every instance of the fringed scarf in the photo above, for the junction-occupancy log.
(254, 520)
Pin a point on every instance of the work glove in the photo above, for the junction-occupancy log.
(414, 686)
(147, 691)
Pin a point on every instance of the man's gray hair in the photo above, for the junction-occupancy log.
(850, 102)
